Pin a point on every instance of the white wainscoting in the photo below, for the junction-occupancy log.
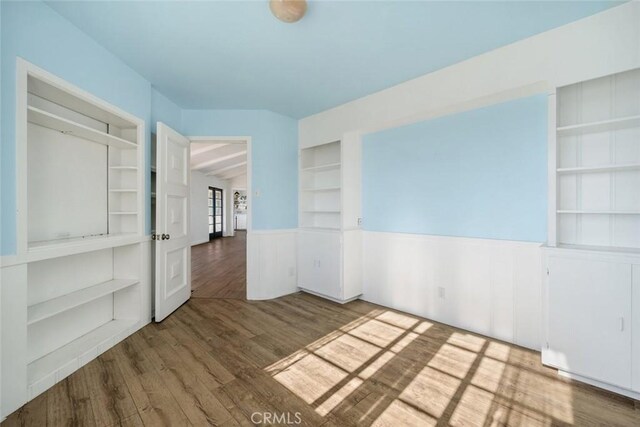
(271, 263)
(492, 287)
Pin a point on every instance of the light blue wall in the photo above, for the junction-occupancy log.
(274, 155)
(481, 173)
(166, 111)
(33, 31)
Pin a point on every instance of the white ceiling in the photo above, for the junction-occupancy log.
(222, 159)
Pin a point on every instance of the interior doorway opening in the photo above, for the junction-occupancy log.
(220, 211)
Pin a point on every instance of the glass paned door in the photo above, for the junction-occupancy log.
(215, 212)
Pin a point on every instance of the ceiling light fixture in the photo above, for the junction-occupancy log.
(288, 10)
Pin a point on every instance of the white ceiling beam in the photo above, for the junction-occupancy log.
(207, 147)
(218, 160)
(233, 166)
(234, 174)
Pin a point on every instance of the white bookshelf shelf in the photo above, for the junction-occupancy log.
(123, 190)
(596, 169)
(60, 124)
(94, 342)
(321, 168)
(321, 189)
(600, 126)
(605, 249)
(42, 250)
(123, 213)
(121, 168)
(50, 244)
(598, 212)
(318, 211)
(52, 307)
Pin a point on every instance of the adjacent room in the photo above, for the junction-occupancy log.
(218, 218)
(320, 213)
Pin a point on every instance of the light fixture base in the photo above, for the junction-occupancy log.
(288, 11)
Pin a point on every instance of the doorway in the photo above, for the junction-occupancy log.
(220, 168)
(216, 213)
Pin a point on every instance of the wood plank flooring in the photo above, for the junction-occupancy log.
(218, 268)
(222, 361)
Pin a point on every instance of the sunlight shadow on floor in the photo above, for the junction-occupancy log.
(389, 369)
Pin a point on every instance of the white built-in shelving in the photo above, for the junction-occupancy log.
(81, 256)
(592, 258)
(329, 237)
(320, 185)
(597, 156)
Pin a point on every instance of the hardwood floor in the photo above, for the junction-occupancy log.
(222, 361)
(219, 268)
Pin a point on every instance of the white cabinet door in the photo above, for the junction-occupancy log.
(329, 266)
(589, 319)
(307, 256)
(319, 263)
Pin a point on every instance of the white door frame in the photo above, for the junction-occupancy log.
(237, 140)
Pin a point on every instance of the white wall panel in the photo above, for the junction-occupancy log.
(271, 264)
(13, 322)
(487, 286)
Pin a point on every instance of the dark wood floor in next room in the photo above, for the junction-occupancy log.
(221, 361)
(219, 268)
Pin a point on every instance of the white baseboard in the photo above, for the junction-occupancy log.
(200, 242)
(491, 287)
(596, 383)
(318, 294)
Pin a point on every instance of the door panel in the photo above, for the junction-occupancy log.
(172, 248)
(590, 319)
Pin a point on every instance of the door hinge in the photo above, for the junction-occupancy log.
(547, 344)
(547, 271)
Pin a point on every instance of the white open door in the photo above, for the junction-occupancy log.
(173, 249)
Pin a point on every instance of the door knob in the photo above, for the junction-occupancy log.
(166, 237)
